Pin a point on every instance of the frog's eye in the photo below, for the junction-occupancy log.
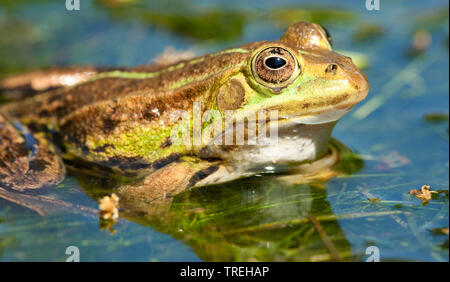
(274, 65)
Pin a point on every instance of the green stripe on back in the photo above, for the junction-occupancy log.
(146, 75)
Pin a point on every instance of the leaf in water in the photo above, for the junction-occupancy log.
(194, 22)
(374, 200)
(217, 25)
(108, 207)
(425, 194)
(436, 117)
(440, 231)
(367, 32)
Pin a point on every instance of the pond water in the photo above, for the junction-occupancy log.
(399, 135)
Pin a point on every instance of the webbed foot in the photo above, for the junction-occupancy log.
(27, 160)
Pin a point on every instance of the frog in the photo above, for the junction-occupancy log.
(121, 120)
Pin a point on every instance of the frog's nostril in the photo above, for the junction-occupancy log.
(331, 69)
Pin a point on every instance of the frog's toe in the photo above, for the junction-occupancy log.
(28, 162)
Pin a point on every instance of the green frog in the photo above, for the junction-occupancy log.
(130, 121)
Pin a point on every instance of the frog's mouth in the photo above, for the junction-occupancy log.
(318, 117)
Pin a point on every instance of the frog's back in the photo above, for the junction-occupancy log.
(157, 81)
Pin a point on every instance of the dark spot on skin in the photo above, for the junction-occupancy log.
(59, 111)
(58, 140)
(202, 174)
(167, 143)
(44, 113)
(37, 127)
(13, 152)
(109, 125)
(73, 133)
(103, 148)
(167, 160)
(205, 152)
(126, 163)
(212, 159)
(340, 98)
(39, 165)
(85, 149)
(55, 98)
(149, 115)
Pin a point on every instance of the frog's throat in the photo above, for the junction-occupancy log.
(308, 172)
(293, 143)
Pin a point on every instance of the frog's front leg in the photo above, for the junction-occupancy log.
(170, 180)
(27, 160)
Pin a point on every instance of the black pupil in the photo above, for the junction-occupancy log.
(275, 62)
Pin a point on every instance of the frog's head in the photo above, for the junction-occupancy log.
(299, 76)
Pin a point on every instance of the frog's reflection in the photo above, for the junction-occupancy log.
(269, 218)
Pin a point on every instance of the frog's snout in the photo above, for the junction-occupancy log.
(359, 82)
(344, 68)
